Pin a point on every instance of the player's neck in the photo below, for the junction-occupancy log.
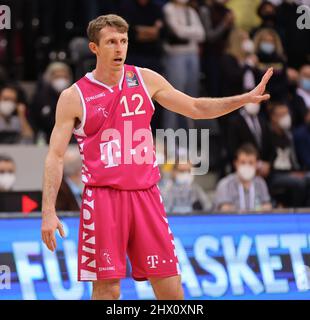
(108, 76)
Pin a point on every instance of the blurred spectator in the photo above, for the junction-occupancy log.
(269, 51)
(82, 59)
(302, 144)
(218, 21)
(146, 22)
(182, 194)
(249, 127)
(243, 190)
(267, 11)
(184, 32)
(238, 73)
(296, 103)
(57, 77)
(7, 173)
(302, 134)
(295, 41)
(14, 126)
(304, 85)
(145, 36)
(287, 183)
(70, 192)
(238, 64)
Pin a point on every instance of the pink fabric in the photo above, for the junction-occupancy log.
(116, 137)
(114, 222)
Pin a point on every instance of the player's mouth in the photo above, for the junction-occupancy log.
(118, 59)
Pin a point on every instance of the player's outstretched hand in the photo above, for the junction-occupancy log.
(257, 95)
(50, 223)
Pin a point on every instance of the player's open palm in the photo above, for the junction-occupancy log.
(50, 223)
(257, 95)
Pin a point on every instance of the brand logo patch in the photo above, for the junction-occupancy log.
(131, 79)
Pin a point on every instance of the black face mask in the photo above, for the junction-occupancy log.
(269, 17)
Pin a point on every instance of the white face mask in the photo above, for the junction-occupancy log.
(7, 107)
(246, 172)
(267, 47)
(184, 178)
(7, 181)
(252, 108)
(248, 46)
(285, 122)
(60, 84)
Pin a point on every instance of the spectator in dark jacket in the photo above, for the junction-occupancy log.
(286, 177)
(249, 127)
(57, 77)
(269, 51)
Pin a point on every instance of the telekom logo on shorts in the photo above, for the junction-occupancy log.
(153, 261)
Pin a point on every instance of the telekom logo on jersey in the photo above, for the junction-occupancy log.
(114, 148)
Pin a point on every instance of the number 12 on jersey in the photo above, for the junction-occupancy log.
(137, 111)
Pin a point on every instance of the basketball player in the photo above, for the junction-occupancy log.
(122, 211)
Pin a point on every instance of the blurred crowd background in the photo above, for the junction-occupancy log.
(259, 156)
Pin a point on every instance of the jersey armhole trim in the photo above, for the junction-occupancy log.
(144, 87)
(80, 129)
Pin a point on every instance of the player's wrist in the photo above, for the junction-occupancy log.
(48, 212)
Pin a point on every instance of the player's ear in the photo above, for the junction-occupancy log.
(93, 48)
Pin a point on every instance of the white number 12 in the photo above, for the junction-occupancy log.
(137, 110)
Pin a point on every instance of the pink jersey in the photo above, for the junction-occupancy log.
(114, 137)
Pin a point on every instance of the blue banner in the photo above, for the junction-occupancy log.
(263, 256)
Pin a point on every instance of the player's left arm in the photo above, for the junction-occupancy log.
(200, 108)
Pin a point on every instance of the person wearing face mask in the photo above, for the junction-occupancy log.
(269, 50)
(56, 78)
(249, 127)
(243, 190)
(238, 64)
(303, 89)
(287, 181)
(267, 11)
(7, 173)
(14, 124)
(238, 68)
(183, 195)
(71, 188)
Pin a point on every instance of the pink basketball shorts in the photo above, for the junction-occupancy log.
(114, 223)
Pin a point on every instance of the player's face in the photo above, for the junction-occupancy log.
(112, 47)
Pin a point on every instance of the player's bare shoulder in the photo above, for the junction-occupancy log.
(69, 103)
(153, 81)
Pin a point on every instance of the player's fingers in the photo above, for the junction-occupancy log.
(44, 238)
(61, 230)
(52, 241)
(49, 241)
(267, 76)
(262, 98)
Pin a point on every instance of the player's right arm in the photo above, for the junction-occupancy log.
(67, 111)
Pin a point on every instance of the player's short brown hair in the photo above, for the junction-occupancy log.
(109, 20)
